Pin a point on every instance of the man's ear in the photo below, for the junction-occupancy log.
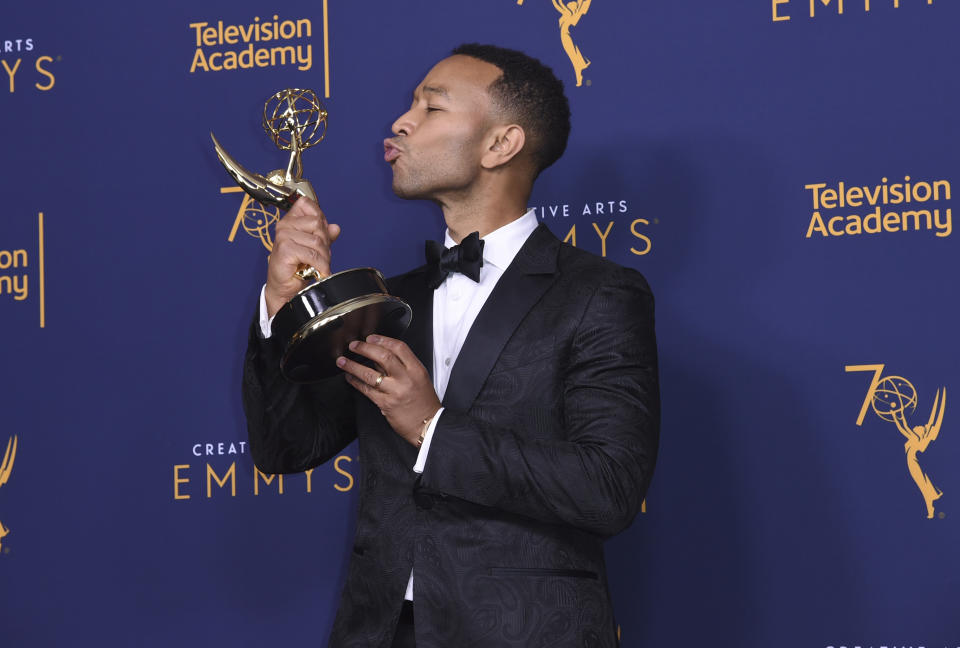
(505, 143)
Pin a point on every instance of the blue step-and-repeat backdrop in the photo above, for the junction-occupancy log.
(782, 171)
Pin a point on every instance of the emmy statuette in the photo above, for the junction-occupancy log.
(324, 317)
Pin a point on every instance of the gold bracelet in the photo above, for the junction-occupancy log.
(423, 432)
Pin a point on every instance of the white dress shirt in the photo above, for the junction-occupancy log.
(456, 303)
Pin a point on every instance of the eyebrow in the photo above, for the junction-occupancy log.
(436, 90)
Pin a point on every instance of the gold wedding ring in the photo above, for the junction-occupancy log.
(306, 273)
(379, 380)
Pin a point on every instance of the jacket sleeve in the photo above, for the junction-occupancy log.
(594, 473)
(292, 427)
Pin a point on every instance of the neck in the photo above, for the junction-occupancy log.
(484, 211)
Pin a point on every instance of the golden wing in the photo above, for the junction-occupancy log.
(7, 466)
(933, 426)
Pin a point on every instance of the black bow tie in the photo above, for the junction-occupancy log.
(466, 258)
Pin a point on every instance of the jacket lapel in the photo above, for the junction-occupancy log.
(520, 287)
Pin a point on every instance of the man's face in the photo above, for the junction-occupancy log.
(438, 143)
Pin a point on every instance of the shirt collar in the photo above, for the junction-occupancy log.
(502, 244)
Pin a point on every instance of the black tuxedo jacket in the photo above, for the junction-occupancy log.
(545, 448)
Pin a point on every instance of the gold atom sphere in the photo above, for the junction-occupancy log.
(295, 119)
(894, 395)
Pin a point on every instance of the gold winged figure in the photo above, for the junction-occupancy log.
(570, 14)
(918, 438)
(5, 469)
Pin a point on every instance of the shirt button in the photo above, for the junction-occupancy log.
(447, 362)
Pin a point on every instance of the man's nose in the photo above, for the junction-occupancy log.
(404, 125)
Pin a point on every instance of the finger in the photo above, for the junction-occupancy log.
(397, 348)
(363, 373)
(305, 215)
(374, 395)
(306, 239)
(288, 256)
(381, 355)
(302, 223)
(304, 205)
(333, 232)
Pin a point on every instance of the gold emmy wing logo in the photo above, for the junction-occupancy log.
(570, 15)
(893, 398)
(5, 469)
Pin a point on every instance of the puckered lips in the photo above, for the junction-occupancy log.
(390, 150)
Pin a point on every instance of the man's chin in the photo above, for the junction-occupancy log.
(407, 193)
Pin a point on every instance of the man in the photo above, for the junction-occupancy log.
(514, 427)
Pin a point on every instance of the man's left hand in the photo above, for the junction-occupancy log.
(400, 385)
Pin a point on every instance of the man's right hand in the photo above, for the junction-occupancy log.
(302, 236)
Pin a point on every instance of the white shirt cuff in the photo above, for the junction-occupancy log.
(425, 447)
(265, 320)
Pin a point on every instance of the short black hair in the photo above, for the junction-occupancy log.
(531, 94)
